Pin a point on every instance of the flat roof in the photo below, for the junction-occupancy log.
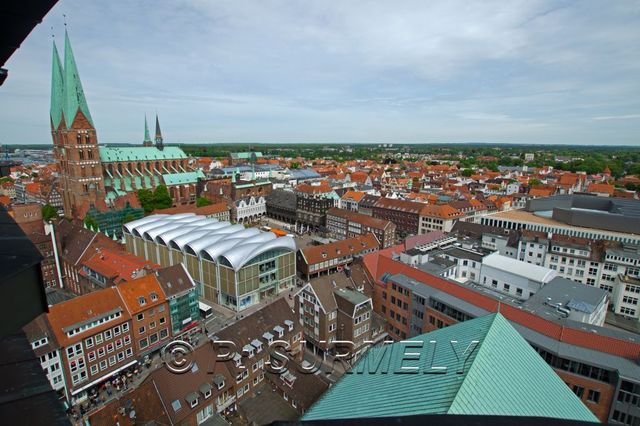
(517, 267)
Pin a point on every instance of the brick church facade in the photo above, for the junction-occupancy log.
(106, 177)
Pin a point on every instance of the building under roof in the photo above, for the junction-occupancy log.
(232, 266)
(489, 370)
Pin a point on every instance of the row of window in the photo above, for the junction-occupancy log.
(93, 324)
(153, 339)
(109, 348)
(111, 361)
(106, 335)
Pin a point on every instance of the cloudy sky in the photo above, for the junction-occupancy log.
(328, 71)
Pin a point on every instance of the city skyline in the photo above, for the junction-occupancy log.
(535, 72)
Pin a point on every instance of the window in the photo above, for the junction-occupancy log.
(154, 297)
(142, 301)
(107, 335)
(162, 320)
(593, 396)
(152, 324)
(125, 327)
(141, 330)
(98, 338)
(116, 331)
(578, 390)
(92, 356)
(140, 316)
(103, 365)
(101, 352)
(110, 347)
(153, 338)
(194, 402)
(120, 356)
(88, 342)
(129, 352)
(164, 333)
(112, 360)
(143, 343)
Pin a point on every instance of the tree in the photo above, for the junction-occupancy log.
(202, 201)
(146, 200)
(466, 172)
(534, 182)
(161, 198)
(128, 218)
(49, 212)
(91, 223)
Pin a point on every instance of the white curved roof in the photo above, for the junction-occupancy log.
(151, 234)
(237, 237)
(202, 235)
(167, 236)
(197, 245)
(134, 223)
(183, 240)
(150, 222)
(241, 255)
(140, 230)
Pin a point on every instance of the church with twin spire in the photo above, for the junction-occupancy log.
(101, 177)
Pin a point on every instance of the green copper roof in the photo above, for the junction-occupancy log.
(500, 374)
(182, 178)
(110, 154)
(74, 99)
(57, 88)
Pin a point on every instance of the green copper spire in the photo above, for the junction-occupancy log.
(57, 89)
(147, 138)
(73, 93)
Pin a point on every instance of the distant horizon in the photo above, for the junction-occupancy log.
(537, 72)
(490, 144)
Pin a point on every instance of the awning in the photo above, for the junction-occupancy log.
(103, 378)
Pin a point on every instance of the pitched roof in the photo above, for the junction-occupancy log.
(399, 205)
(353, 195)
(489, 380)
(442, 211)
(174, 280)
(603, 188)
(350, 246)
(138, 294)
(119, 266)
(79, 310)
(360, 218)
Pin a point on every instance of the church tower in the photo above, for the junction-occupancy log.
(159, 143)
(147, 139)
(74, 137)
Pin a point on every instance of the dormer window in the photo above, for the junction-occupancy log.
(257, 344)
(192, 399)
(289, 324)
(205, 389)
(142, 301)
(279, 330)
(248, 349)
(268, 337)
(154, 297)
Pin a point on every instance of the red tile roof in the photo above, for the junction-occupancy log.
(117, 265)
(337, 249)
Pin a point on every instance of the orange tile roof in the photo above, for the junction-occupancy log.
(4, 200)
(117, 266)
(33, 187)
(603, 188)
(353, 195)
(541, 191)
(443, 211)
(314, 189)
(131, 292)
(75, 312)
(337, 249)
